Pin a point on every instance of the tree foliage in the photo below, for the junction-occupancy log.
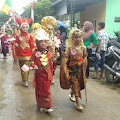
(52, 1)
(41, 9)
(44, 0)
(3, 18)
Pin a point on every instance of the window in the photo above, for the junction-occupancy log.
(94, 25)
(117, 19)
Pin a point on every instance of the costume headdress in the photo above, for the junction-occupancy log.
(41, 34)
(36, 25)
(73, 33)
(21, 21)
(48, 21)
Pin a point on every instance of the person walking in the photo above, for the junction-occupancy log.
(42, 61)
(4, 42)
(73, 66)
(48, 23)
(24, 46)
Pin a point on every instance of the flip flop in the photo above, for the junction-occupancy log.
(95, 77)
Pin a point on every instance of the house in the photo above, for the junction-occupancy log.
(90, 10)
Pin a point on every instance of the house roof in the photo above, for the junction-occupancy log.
(78, 4)
(56, 3)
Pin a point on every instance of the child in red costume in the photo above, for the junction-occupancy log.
(41, 62)
(24, 46)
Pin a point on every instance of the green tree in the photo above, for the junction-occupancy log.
(41, 9)
(52, 1)
(3, 18)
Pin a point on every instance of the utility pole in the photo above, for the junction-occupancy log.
(72, 12)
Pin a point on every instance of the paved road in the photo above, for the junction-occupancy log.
(18, 103)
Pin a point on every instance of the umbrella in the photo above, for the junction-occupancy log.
(60, 23)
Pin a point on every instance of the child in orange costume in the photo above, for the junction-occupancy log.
(73, 66)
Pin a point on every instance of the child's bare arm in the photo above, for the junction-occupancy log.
(63, 54)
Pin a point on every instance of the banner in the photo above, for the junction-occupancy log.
(32, 11)
(7, 7)
(7, 23)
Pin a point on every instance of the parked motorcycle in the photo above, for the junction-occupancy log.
(112, 61)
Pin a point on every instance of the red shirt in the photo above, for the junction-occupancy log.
(36, 60)
(25, 46)
(4, 38)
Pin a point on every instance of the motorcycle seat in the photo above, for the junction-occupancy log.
(115, 43)
(117, 50)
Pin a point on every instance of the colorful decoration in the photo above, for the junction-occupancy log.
(10, 38)
(44, 59)
(7, 23)
(48, 20)
(7, 7)
(76, 69)
(73, 51)
(38, 54)
(79, 61)
(20, 38)
(25, 68)
(20, 21)
(41, 34)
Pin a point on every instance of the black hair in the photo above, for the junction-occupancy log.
(102, 24)
(62, 29)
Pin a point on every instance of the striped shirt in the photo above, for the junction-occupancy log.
(103, 36)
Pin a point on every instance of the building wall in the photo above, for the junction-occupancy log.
(61, 8)
(68, 17)
(112, 11)
(77, 16)
(95, 12)
(65, 17)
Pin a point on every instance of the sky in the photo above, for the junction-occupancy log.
(1, 4)
(18, 5)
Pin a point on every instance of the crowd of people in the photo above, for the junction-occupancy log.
(43, 48)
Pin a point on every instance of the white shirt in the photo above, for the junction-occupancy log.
(103, 36)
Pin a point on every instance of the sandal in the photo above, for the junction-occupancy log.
(79, 107)
(72, 98)
(95, 77)
(101, 76)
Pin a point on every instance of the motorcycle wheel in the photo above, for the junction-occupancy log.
(111, 78)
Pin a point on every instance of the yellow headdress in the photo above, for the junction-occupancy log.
(48, 21)
(35, 26)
